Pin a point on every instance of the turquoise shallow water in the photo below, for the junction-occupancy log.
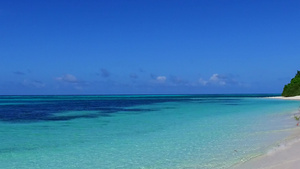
(183, 131)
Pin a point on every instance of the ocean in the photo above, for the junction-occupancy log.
(140, 131)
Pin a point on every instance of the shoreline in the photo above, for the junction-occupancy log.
(285, 98)
(286, 155)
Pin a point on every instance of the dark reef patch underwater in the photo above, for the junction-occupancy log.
(47, 108)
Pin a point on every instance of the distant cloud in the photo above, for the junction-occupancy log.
(68, 78)
(161, 79)
(219, 80)
(178, 81)
(22, 73)
(153, 76)
(19, 73)
(202, 82)
(104, 73)
(33, 83)
(133, 76)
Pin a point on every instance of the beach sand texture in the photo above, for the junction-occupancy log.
(286, 98)
(285, 156)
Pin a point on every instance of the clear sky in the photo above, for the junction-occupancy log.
(148, 46)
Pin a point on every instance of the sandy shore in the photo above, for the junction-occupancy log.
(285, 156)
(286, 98)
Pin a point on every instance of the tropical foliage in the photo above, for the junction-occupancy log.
(293, 88)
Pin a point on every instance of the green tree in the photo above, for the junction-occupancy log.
(293, 88)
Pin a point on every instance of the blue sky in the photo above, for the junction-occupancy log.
(148, 47)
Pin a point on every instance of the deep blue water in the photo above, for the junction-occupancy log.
(41, 108)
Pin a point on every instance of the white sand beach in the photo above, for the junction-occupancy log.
(286, 98)
(285, 156)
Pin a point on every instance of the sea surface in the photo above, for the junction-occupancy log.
(140, 131)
